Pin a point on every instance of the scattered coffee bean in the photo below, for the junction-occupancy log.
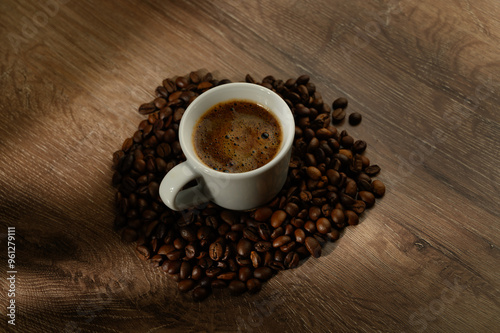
(354, 119)
(338, 115)
(313, 246)
(339, 103)
(378, 188)
(263, 273)
(237, 287)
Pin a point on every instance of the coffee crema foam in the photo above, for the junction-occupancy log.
(237, 136)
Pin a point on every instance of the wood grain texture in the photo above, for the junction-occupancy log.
(424, 74)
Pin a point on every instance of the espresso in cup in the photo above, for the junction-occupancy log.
(237, 136)
(243, 130)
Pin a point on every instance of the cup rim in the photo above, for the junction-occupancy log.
(190, 153)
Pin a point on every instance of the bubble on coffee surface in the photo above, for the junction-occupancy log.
(237, 136)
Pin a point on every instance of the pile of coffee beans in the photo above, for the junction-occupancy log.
(329, 185)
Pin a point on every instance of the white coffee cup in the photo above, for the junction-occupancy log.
(236, 191)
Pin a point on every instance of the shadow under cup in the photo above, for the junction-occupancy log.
(236, 191)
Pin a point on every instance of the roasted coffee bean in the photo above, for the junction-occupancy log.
(302, 251)
(324, 134)
(364, 185)
(253, 285)
(300, 235)
(346, 200)
(238, 227)
(351, 217)
(242, 261)
(165, 249)
(205, 262)
(326, 209)
(255, 258)
(313, 173)
(277, 266)
(277, 218)
(263, 273)
(163, 150)
(200, 293)
(358, 207)
(314, 213)
(161, 92)
(340, 102)
(185, 270)
(354, 119)
(175, 255)
(197, 273)
(143, 252)
(313, 246)
(156, 260)
(179, 243)
(367, 197)
(172, 267)
(372, 170)
(359, 146)
(147, 108)
(347, 142)
(292, 209)
(351, 188)
(216, 250)
(333, 177)
(305, 196)
(279, 255)
(268, 258)
(277, 232)
(310, 226)
(204, 232)
(263, 214)
(218, 284)
(264, 231)
(320, 238)
(281, 240)
(338, 115)
(249, 79)
(378, 188)
(251, 234)
(291, 260)
(310, 159)
(237, 287)
(337, 216)
(213, 272)
(245, 273)
(225, 229)
(323, 225)
(181, 82)
(244, 247)
(194, 77)
(233, 236)
(186, 285)
(229, 217)
(288, 247)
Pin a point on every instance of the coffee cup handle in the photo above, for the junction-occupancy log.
(171, 185)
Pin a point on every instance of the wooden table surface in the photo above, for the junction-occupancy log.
(425, 75)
